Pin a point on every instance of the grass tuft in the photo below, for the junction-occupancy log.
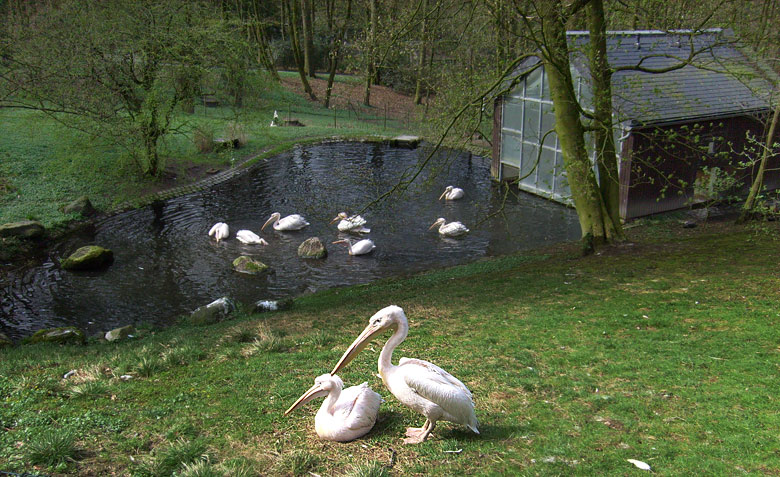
(51, 447)
(369, 469)
(89, 389)
(299, 463)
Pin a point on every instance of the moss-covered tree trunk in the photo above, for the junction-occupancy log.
(335, 50)
(421, 53)
(758, 181)
(308, 37)
(370, 66)
(294, 17)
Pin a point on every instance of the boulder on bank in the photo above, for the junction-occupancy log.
(212, 313)
(263, 306)
(90, 257)
(312, 248)
(68, 334)
(5, 341)
(120, 333)
(249, 265)
(81, 206)
(26, 229)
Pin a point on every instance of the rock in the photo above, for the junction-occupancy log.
(689, 224)
(27, 229)
(68, 334)
(263, 306)
(120, 333)
(215, 311)
(90, 257)
(5, 341)
(293, 122)
(249, 265)
(312, 248)
(410, 142)
(81, 206)
(221, 144)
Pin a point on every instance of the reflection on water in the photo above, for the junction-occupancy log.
(165, 264)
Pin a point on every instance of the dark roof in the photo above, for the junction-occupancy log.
(723, 81)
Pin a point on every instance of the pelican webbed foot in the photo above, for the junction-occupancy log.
(416, 435)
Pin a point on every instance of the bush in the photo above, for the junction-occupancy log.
(204, 139)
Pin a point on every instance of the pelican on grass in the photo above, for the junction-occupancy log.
(452, 229)
(451, 193)
(249, 237)
(219, 231)
(291, 222)
(344, 415)
(361, 247)
(420, 385)
(353, 224)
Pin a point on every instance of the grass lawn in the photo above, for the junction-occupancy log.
(665, 350)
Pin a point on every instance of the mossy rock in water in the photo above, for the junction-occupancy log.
(28, 229)
(81, 206)
(5, 341)
(249, 265)
(68, 334)
(312, 248)
(90, 257)
(215, 311)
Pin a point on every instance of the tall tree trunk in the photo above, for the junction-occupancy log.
(601, 75)
(294, 16)
(758, 181)
(421, 54)
(264, 55)
(334, 53)
(370, 66)
(308, 38)
(596, 226)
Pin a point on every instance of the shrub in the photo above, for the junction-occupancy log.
(203, 139)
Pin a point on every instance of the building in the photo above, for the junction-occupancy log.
(680, 135)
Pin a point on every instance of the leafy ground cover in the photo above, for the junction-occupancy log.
(664, 350)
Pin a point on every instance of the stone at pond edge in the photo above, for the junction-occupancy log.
(263, 306)
(244, 264)
(90, 257)
(68, 334)
(81, 206)
(312, 248)
(215, 311)
(27, 229)
(5, 341)
(120, 333)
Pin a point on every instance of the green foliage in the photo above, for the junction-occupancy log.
(299, 463)
(176, 459)
(370, 469)
(51, 447)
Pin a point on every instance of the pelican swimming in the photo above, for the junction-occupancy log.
(220, 231)
(352, 224)
(291, 222)
(361, 247)
(344, 415)
(249, 237)
(453, 229)
(451, 193)
(418, 384)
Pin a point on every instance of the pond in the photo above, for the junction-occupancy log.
(166, 265)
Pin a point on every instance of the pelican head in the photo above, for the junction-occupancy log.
(274, 217)
(388, 318)
(341, 216)
(447, 190)
(323, 385)
(438, 222)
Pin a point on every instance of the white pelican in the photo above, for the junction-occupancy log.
(421, 385)
(361, 247)
(291, 222)
(247, 236)
(352, 224)
(344, 415)
(453, 229)
(451, 193)
(275, 120)
(220, 231)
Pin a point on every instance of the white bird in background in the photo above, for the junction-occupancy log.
(451, 193)
(420, 385)
(344, 415)
(291, 222)
(220, 231)
(361, 247)
(352, 224)
(249, 237)
(275, 120)
(453, 229)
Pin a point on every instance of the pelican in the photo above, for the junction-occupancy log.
(247, 236)
(451, 193)
(418, 384)
(344, 415)
(361, 247)
(291, 222)
(453, 229)
(220, 231)
(275, 120)
(352, 224)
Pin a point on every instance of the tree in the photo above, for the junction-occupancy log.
(117, 70)
(293, 22)
(335, 47)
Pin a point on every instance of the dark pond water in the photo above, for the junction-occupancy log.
(166, 265)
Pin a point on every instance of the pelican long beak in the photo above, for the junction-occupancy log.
(313, 392)
(443, 194)
(337, 218)
(434, 225)
(269, 221)
(358, 345)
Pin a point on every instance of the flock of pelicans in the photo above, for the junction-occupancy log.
(348, 414)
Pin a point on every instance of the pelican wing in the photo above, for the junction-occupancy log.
(357, 407)
(214, 228)
(292, 222)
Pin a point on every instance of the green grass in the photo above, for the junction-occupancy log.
(664, 351)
